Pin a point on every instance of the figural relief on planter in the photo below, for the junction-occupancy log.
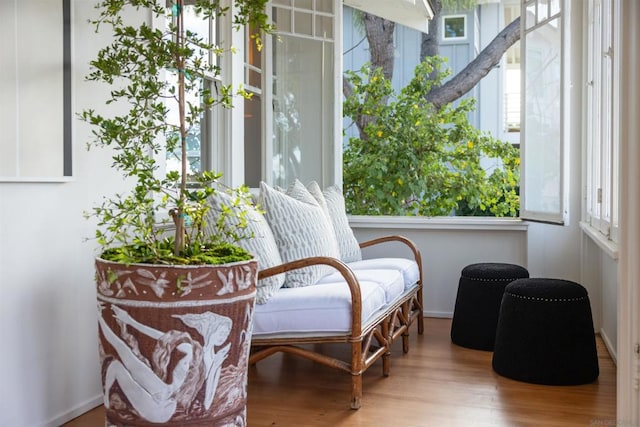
(174, 345)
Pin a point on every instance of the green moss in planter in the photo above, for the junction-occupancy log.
(220, 253)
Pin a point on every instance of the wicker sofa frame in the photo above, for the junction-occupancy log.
(369, 341)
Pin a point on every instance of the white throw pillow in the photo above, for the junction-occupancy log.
(261, 244)
(316, 192)
(301, 230)
(348, 244)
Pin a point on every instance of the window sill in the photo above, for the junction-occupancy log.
(438, 223)
(609, 247)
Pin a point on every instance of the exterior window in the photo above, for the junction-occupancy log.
(454, 27)
(253, 158)
(303, 92)
(542, 135)
(293, 89)
(198, 138)
(601, 136)
(512, 81)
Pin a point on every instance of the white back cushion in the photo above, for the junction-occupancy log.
(301, 230)
(349, 247)
(261, 244)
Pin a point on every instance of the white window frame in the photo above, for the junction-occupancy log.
(600, 213)
(559, 11)
(457, 38)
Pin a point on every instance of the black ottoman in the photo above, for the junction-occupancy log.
(545, 333)
(480, 290)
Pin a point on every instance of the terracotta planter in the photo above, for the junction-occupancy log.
(174, 342)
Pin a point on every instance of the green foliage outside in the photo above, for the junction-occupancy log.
(412, 159)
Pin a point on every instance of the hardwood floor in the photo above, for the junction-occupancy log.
(436, 384)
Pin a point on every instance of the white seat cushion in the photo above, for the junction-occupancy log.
(321, 308)
(408, 268)
(390, 280)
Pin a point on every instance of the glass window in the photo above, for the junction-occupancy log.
(543, 195)
(303, 23)
(454, 27)
(512, 80)
(543, 10)
(530, 14)
(601, 136)
(198, 137)
(253, 171)
(303, 94)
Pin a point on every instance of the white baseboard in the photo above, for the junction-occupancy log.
(443, 314)
(610, 348)
(75, 412)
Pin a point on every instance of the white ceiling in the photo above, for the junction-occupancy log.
(412, 13)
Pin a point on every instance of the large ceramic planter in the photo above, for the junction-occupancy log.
(174, 342)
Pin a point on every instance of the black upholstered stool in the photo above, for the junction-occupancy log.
(545, 333)
(480, 290)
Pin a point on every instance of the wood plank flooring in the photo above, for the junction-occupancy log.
(436, 384)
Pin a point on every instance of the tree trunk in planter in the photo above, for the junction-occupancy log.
(174, 342)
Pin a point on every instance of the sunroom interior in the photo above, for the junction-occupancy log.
(48, 178)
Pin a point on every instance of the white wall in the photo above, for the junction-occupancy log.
(49, 368)
(599, 274)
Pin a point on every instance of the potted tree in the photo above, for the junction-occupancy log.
(175, 303)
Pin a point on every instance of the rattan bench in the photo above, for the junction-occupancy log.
(355, 290)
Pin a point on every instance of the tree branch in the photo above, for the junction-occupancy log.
(466, 79)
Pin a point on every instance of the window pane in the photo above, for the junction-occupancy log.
(303, 23)
(253, 63)
(253, 141)
(303, 95)
(282, 19)
(324, 27)
(594, 111)
(324, 6)
(303, 4)
(196, 24)
(542, 117)
(198, 135)
(194, 135)
(543, 10)
(530, 16)
(454, 27)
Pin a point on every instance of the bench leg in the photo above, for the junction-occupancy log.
(387, 332)
(356, 391)
(405, 342)
(386, 364)
(406, 312)
(420, 313)
(356, 374)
